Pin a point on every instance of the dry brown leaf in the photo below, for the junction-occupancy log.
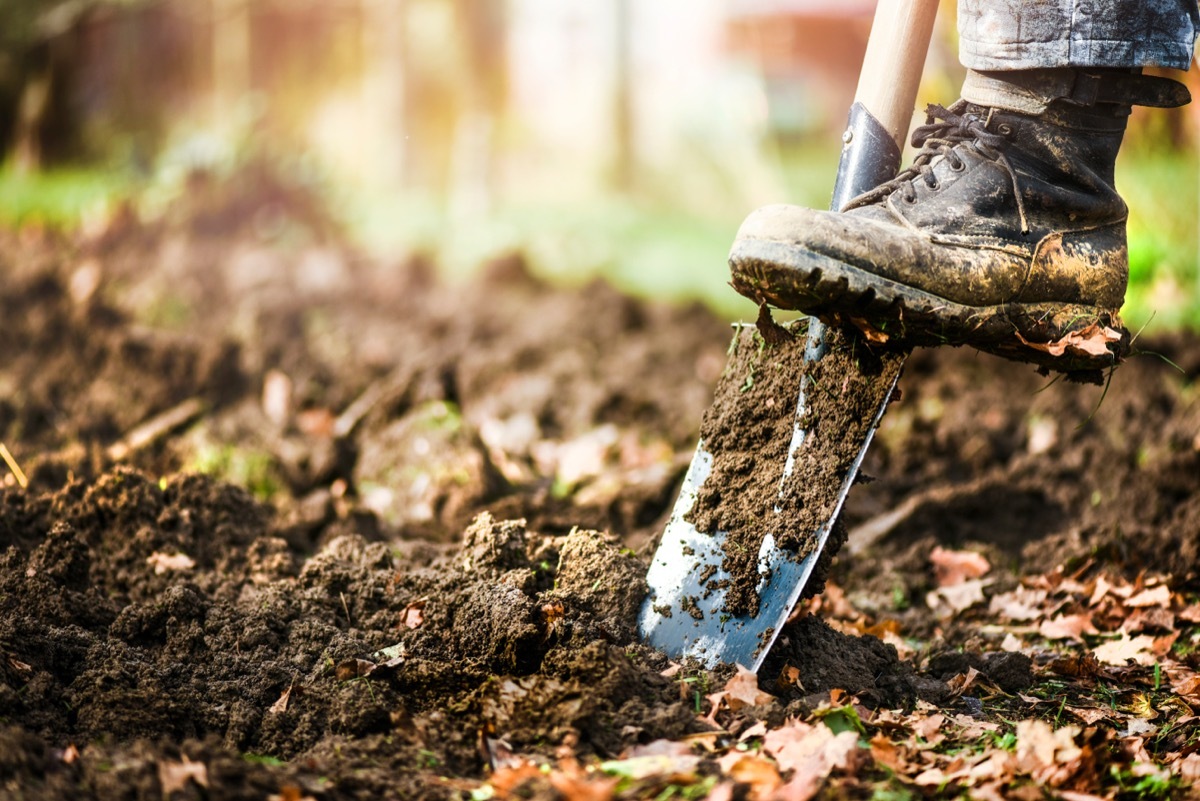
(1188, 768)
(353, 669)
(1154, 618)
(174, 776)
(955, 567)
(505, 780)
(163, 563)
(760, 774)
(887, 753)
(413, 615)
(70, 754)
(1083, 666)
(759, 729)
(956, 597)
(1119, 652)
(1068, 627)
(1157, 596)
(1093, 341)
(808, 749)
(929, 728)
(281, 704)
(741, 690)
(963, 681)
(1191, 614)
(1090, 716)
(1019, 605)
(1049, 755)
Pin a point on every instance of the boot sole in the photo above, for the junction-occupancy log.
(791, 277)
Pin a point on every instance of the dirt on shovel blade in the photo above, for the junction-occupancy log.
(749, 429)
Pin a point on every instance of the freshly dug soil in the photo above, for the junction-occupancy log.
(400, 529)
(749, 429)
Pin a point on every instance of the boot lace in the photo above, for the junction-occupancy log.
(943, 132)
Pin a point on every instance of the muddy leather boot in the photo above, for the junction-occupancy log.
(1006, 233)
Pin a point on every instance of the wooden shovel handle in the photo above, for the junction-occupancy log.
(895, 58)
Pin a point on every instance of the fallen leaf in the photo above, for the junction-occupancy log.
(761, 774)
(1049, 755)
(1119, 652)
(1157, 596)
(956, 597)
(174, 776)
(1068, 627)
(1083, 666)
(163, 563)
(1188, 768)
(741, 690)
(413, 615)
(281, 704)
(1149, 619)
(810, 749)
(955, 567)
(676, 768)
(757, 730)
(1093, 341)
(1090, 716)
(1019, 605)
(353, 669)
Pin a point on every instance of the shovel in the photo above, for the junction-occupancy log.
(713, 596)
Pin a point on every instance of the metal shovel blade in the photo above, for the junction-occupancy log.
(685, 613)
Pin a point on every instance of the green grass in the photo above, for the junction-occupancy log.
(57, 198)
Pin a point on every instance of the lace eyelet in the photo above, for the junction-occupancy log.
(958, 166)
(935, 186)
(910, 199)
(1004, 129)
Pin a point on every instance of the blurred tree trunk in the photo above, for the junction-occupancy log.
(483, 28)
(31, 111)
(231, 54)
(624, 151)
(384, 88)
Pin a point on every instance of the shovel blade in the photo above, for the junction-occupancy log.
(685, 613)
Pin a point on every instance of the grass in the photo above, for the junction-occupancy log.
(58, 198)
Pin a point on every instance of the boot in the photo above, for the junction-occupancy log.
(1006, 233)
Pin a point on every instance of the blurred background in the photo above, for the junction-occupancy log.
(599, 137)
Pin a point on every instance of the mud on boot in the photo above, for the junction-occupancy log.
(1005, 234)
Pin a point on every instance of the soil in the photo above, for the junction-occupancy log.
(300, 523)
(749, 430)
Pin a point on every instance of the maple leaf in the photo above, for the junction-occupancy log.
(955, 567)
(1119, 652)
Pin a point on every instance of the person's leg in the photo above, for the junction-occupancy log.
(1007, 228)
(1076, 33)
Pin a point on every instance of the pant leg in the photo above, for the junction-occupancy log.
(1032, 34)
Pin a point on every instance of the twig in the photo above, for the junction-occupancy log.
(13, 466)
(156, 428)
